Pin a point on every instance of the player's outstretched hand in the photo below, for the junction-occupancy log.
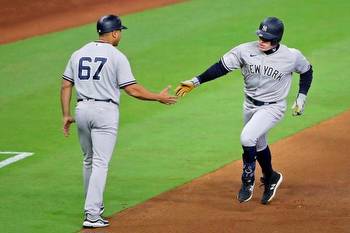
(67, 121)
(299, 104)
(184, 88)
(165, 98)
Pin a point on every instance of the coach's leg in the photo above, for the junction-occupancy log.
(103, 145)
(104, 136)
(84, 133)
(86, 144)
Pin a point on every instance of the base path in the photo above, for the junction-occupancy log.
(22, 19)
(314, 197)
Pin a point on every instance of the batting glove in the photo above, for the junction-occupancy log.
(299, 104)
(186, 86)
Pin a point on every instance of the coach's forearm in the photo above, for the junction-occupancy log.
(66, 94)
(139, 92)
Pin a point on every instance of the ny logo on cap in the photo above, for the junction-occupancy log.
(264, 28)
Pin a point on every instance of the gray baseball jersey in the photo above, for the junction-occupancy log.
(266, 77)
(98, 70)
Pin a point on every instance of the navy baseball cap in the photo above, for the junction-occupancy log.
(109, 23)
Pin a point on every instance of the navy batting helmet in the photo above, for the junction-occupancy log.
(271, 28)
(109, 23)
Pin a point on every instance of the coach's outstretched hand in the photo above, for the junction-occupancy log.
(165, 98)
(299, 104)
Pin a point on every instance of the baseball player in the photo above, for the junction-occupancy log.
(267, 67)
(98, 71)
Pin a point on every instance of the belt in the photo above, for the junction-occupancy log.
(91, 99)
(258, 102)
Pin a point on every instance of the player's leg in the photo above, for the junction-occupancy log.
(271, 178)
(264, 157)
(248, 159)
(104, 135)
(258, 123)
(248, 178)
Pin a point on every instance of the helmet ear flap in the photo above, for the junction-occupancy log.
(275, 42)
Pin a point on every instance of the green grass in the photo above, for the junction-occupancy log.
(159, 147)
(4, 157)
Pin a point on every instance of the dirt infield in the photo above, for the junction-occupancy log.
(21, 19)
(314, 197)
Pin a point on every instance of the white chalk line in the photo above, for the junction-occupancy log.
(18, 156)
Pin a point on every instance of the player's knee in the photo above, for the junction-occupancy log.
(248, 140)
(261, 145)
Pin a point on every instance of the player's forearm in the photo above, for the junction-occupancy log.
(66, 93)
(213, 72)
(305, 81)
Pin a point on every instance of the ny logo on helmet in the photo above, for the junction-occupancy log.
(264, 28)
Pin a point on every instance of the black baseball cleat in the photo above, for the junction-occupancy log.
(95, 222)
(262, 180)
(271, 187)
(246, 191)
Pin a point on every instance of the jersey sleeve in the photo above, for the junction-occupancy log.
(68, 72)
(124, 73)
(301, 63)
(232, 59)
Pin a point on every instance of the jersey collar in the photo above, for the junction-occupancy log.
(101, 41)
(273, 50)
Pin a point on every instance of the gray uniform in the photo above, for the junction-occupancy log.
(98, 71)
(267, 79)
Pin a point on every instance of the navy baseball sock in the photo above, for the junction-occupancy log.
(249, 160)
(264, 159)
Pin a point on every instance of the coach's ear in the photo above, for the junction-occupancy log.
(116, 33)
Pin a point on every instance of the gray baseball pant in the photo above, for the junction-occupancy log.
(97, 124)
(258, 121)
